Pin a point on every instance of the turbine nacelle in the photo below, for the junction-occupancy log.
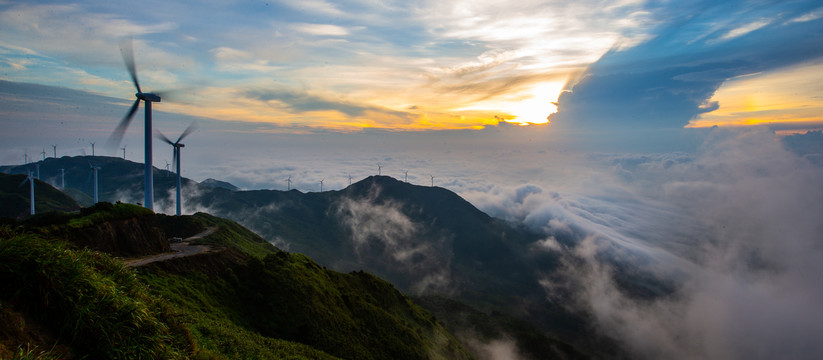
(148, 97)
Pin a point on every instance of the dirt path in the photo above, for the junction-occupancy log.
(178, 250)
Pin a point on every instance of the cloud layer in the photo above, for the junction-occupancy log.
(734, 229)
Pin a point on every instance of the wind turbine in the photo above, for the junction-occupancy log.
(63, 178)
(177, 146)
(54, 148)
(407, 175)
(25, 158)
(321, 185)
(30, 179)
(128, 57)
(379, 168)
(432, 180)
(94, 169)
(124, 151)
(92, 148)
(288, 181)
(37, 166)
(44, 153)
(349, 179)
(167, 166)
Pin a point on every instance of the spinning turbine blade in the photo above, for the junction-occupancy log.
(164, 138)
(189, 130)
(127, 51)
(117, 135)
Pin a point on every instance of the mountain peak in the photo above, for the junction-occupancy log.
(215, 184)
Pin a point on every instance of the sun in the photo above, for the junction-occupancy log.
(532, 105)
(536, 108)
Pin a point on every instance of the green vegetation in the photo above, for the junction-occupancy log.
(233, 235)
(95, 304)
(287, 305)
(106, 211)
(354, 316)
(202, 303)
(243, 299)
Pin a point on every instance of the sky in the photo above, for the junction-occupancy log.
(647, 130)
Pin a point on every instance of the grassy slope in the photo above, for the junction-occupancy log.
(89, 299)
(267, 305)
(278, 295)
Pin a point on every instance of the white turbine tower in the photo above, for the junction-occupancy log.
(54, 148)
(321, 185)
(30, 179)
(92, 148)
(288, 182)
(124, 151)
(167, 166)
(63, 178)
(176, 160)
(44, 153)
(349, 179)
(128, 57)
(407, 176)
(37, 166)
(379, 168)
(94, 169)
(25, 158)
(432, 180)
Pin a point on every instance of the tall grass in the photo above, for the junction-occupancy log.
(90, 300)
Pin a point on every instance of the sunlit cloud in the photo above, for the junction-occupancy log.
(745, 29)
(321, 29)
(779, 98)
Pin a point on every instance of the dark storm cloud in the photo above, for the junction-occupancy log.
(300, 102)
(668, 80)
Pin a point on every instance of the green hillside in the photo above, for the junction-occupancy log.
(16, 201)
(241, 299)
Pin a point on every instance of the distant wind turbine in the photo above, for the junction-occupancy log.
(177, 147)
(407, 176)
(54, 148)
(349, 179)
(37, 166)
(288, 181)
(94, 169)
(167, 166)
(379, 168)
(128, 57)
(30, 179)
(63, 178)
(432, 180)
(44, 153)
(92, 148)
(25, 158)
(124, 152)
(321, 185)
